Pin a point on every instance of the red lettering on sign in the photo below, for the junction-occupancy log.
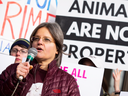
(49, 15)
(31, 15)
(24, 14)
(7, 18)
(1, 2)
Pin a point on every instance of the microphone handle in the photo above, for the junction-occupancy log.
(21, 77)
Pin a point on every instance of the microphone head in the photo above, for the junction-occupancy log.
(33, 52)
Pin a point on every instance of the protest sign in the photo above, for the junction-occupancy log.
(89, 79)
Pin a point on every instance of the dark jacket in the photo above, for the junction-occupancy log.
(56, 83)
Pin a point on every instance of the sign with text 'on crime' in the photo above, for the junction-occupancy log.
(85, 76)
(95, 27)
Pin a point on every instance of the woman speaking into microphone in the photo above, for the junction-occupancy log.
(45, 78)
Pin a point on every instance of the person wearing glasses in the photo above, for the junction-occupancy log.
(45, 78)
(19, 49)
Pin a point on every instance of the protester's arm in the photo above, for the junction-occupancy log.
(7, 81)
(116, 76)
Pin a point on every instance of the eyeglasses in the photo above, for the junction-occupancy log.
(22, 51)
(46, 40)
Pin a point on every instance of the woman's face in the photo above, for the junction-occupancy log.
(45, 45)
(19, 53)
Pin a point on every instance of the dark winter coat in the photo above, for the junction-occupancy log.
(56, 83)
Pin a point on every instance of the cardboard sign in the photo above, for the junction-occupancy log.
(89, 79)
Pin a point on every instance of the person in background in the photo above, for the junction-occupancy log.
(46, 78)
(96, 62)
(19, 49)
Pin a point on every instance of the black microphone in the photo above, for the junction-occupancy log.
(32, 52)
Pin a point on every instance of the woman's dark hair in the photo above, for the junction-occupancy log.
(57, 35)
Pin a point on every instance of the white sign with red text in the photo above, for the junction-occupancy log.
(20, 17)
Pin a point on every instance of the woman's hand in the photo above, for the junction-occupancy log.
(116, 76)
(22, 69)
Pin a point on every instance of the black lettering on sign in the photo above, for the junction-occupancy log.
(95, 9)
(110, 55)
(92, 30)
